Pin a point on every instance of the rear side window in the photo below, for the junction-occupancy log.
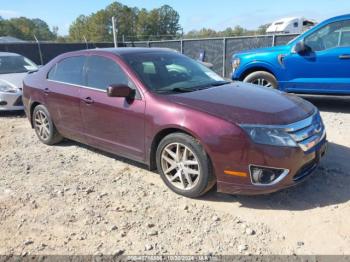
(102, 72)
(69, 70)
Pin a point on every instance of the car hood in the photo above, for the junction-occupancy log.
(16, 80)
(242, 103)
(277, 49)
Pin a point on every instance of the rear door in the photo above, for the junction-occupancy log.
(112, 123)
(326, 68)
(63, 98)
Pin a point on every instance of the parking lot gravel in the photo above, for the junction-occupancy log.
(73, 199)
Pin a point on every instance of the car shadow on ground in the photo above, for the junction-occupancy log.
(329, 186)
(334, 104)
(69, 143)
(9, 114)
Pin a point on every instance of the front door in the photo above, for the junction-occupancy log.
(111, 123)
(325, 68)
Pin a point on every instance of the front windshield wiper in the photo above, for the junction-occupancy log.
(213, 84)
(220, 83)
(176, 90)
(192, 89)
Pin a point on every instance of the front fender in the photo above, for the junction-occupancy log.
(223, 141)
(252, 66)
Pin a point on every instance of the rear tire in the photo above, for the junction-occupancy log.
(262, 78)
(44, 126)
(184, 165)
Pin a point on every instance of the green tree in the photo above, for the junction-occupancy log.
(202, 33)
(168, 21)
(41, 30)
(78, 29)
(131, 22)
(143, 25)
(25, 28)
(262, 29)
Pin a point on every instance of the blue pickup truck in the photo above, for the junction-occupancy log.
(316, 62)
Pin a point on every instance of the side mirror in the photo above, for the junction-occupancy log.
(120, 91)
(301, 48)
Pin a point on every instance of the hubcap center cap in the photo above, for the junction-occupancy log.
(180, 166)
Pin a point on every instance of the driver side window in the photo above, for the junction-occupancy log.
(102, 72)
(330, 36)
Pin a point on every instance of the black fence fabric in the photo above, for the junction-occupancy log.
(211, 49)
(29, 50)
(235, 45)
(217, 51)
(284, 39)
(175, 45)
(48, 50)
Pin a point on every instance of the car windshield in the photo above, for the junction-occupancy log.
(16, 64)
(171, 72)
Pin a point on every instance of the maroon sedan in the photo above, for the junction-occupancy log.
(170, 112)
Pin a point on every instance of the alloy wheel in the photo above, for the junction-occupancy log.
(262, 82)
(180, 166)
(42, 125)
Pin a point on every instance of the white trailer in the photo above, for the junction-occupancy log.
(291, 25)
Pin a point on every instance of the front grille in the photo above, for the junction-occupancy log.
(18, 101)
(308, 132)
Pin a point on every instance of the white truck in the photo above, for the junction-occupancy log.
(291, 25)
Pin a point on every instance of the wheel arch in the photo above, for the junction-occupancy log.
(163, 133)
(31, 110)
(254, 67)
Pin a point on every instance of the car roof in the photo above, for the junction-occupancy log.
(336, 18)
(120, 51)
(8, 54)
(136, 50)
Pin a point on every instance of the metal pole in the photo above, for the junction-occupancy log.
(86, 43)
(273, 40)
(182, 45)
(224, 57)
(40, 54)
(114, 33)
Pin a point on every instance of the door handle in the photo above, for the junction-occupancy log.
(88, 100)
(46, 90)
(345, 56)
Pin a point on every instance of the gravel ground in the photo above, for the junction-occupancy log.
(72, 199)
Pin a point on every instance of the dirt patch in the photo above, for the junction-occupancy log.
(72, 199)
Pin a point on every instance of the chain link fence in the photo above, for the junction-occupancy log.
(41, 53)
(217, 51)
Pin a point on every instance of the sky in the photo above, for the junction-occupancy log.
(194, 14)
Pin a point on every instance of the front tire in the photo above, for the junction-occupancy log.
(184, 165)
(44, 126)
(262, 78)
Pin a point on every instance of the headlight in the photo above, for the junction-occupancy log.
(235, 63)
(7, 88)
(269, 136)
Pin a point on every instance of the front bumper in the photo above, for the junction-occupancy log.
(301, 165)
(11, 101)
